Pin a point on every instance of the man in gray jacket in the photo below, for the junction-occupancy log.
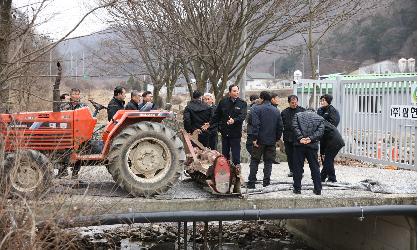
(309, 129)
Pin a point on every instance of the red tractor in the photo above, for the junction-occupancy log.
(141, 150)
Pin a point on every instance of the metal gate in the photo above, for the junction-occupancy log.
(378, 116)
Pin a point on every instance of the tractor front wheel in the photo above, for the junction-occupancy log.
(29, 173)
(146, 158)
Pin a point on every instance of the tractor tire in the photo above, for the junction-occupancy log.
(28, 173)
(146, 159)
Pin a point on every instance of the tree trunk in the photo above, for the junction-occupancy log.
(313, 76)
(168, 99)
(310, 47)
(156, 94)
(56, 91)
(5, 28)
(185, 71)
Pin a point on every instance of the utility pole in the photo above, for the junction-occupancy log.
(318, 64)
(274, 68)
(243, 82)
(71, 63)
(83, 66)
(76, 65)
(303, 62)
(50, 62)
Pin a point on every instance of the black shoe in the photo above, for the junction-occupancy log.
(276, 162)
(297, 191)
(266, 184)
(317, 192)
(250, 186)
(74, 175)
(290, 174)
(333, 181)
(62, 172)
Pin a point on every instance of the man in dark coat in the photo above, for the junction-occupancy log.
(209, 99)
(328, 111)
(267, 129)
(308, 128)
(195, 115)
(331, 143)
(249, 142)
(229, 116)
(133, 104)
(288, 134)
(117, 103)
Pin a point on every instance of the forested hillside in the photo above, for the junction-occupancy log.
(386, 33)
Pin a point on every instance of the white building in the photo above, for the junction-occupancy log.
(258, 81)
(383, 67)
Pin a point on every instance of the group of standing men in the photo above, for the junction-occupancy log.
(302, 131)
(139, 101)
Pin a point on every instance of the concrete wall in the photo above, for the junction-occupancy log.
(397, 232)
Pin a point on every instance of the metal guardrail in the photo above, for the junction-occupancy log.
(378, 116)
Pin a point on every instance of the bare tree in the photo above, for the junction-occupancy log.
(159, 56)
(22, 46)
(221, 37)
(320, 23)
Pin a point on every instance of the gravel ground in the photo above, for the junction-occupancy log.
(352, 182)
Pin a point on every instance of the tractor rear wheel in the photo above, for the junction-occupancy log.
(29, 173)
(146, 158)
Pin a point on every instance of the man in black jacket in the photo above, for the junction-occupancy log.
(133, 104)
(117, 102)
(229, 116)
(331, 143)
(267, 129)
(209, 99)
(308, 128)
(288, 134)
(328, 111)
(195, 115)
(249, 142)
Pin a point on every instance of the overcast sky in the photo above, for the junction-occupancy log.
(60, 16)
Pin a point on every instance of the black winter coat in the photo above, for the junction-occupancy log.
(226, 109)
(308, 124)
(330, 114)
(267, 125)
(332, 141)
(132, 105)
(195, 115)
(250, 119)
(287, 118)
(113, 107)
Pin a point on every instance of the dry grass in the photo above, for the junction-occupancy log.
(18, 224)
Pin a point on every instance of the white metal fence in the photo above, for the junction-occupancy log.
(378, 116)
